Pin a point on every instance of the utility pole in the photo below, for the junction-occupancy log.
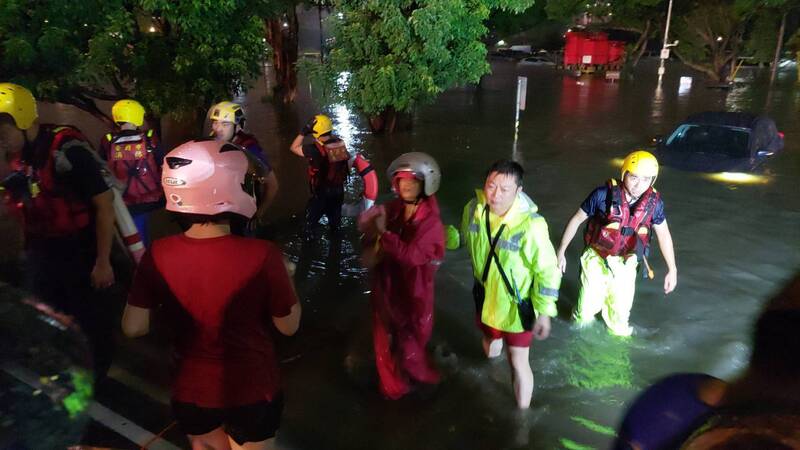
(665, 47)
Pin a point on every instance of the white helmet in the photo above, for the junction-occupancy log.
(422, 165)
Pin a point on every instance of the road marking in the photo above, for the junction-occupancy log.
(98, 412)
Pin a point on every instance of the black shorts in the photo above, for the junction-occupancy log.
(249, 423)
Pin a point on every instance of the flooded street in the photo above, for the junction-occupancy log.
(735, 244)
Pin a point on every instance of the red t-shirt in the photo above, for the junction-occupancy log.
(220, 295)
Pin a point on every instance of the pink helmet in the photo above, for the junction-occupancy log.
(210, 177)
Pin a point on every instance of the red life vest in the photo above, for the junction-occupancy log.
(622, 231)
(331, 169)
(132, 160)
(54, 209)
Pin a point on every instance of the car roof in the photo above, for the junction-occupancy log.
(731, 119)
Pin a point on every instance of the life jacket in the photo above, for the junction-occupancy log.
(250, 143)
(622, 231)
(132, 160)
(51, 208)
(331, 169)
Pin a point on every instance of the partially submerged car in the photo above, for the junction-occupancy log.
(720, 142)
(536, 61)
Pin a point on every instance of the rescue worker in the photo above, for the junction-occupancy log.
(227, 125)
(222, 294)
(56, 187)
(621, 215)
(134, 157)
(329, 164)
(404, 246)
(516, 276)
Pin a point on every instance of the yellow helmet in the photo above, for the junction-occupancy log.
(19, 103)
(322, 125)
(228, 112)
(129, 111)
(640, 163)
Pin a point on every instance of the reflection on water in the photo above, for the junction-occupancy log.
(570, 139)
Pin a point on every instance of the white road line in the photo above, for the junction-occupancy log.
(130, 430)
(98, 412)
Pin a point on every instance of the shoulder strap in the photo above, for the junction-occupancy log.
(493, 255)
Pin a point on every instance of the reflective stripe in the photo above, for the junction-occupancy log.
(473, 206)
(550, 292)
(535, 215)
(508, 245)
(131, 138)
(474, 228)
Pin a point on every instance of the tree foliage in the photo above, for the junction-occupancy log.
(174, 56)
(401, 53)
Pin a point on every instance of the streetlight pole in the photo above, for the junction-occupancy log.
(665, 46)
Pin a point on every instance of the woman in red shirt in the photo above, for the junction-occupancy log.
(222, 294)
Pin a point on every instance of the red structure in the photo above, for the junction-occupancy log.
(591, 52)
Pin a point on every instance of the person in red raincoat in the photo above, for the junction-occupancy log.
(404, 246)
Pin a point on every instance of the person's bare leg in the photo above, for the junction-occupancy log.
(215, 439)
(492, 348)
(522, 374)
(267, 444)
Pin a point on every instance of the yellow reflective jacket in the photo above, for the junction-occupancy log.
(526, 255)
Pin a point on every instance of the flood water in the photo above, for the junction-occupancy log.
(735, 245)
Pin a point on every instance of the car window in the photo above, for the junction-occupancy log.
(729, 141)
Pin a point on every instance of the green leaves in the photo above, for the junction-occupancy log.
(400, 53)
(174, 56)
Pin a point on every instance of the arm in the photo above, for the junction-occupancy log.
(135, 321)
(102, 273)
(420, 251)
(288, 325)
(546, 278)
(569, 233)
(268, 192)
(668, 251)
(466, 218)
(297, 145)
(284, 306)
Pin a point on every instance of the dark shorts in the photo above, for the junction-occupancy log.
(249, 423)
(522, 339)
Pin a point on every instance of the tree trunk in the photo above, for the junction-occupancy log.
(283, 41)
(385, 122)
(708, 70)
(87, 104)
(778, 48)
(641, 45)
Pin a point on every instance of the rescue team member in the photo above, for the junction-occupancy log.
(221, 293)
(516, 276)
(329, 163)
(621, 215)
(57, 190)
(134, 157)
(404, 246)
(227, 125)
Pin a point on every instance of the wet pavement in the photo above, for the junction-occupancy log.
(736, 243)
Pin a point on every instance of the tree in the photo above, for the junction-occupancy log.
(711, 37)
(644, 18)
(391, 55)
(174, 56)
(770, 13)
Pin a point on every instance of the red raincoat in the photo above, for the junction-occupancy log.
(402, 296)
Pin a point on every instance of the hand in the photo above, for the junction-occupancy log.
(308, 128)
(541, 329)
(380, 221)
(670, 281)
(562, 262)
(102, 275)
